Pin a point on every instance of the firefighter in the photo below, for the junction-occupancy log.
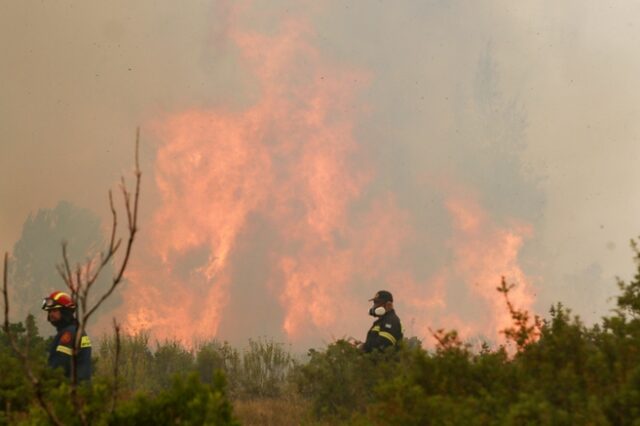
(61, 314)
(386, 330)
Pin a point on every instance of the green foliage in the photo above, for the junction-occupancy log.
(135, 362)
(562, 373)
(212, 357)
(185, 399)
(188, 401)
(170, 359)
(340, 379)
(265, 368)
(16, 392)
(629, 300)
(523, 330)
(556, 371)
(260, 370)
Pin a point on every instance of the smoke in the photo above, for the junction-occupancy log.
(299, 157)
(286, 186)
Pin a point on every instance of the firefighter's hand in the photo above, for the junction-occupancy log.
(354, 342)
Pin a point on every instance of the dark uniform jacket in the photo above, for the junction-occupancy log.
(386, 331)
(61, 350)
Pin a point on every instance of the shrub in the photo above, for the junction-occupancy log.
(16, 392)
(214, 356)
(169, 360)
(265, 369)
(188, 401)
(341, 379)
(136, 362)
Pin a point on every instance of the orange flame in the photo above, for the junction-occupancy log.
(292, 158)
(215, 169)
(483, 253)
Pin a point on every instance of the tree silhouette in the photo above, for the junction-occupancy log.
(37, 252)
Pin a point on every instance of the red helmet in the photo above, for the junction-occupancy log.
(58, 300)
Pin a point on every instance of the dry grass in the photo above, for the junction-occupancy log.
(272, 411)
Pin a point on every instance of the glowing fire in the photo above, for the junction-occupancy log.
(462, 294)
(287, 157)
(484, 253)
(292, 159)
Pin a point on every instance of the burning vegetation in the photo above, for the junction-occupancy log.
(277, 201)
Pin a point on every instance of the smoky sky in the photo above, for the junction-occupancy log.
(533, 105)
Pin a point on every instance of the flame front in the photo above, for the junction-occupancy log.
(286, 157)
(292, 159)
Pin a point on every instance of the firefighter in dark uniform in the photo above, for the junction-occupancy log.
(386, 330)
(60, 313)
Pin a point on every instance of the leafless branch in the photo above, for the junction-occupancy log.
(81, 282)
(132, 215)
(523, 331)
(65, 269)
(437, 335)
(114, 225)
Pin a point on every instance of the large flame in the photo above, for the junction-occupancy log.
(462, 294)
(287, 157)
(483, 253)
(292, 159)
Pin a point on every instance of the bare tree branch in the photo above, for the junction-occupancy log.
(114, 225)
(80, 281)
(132, 214)
(522, 331)
(80, 284)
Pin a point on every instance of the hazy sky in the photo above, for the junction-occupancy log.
(529, 108)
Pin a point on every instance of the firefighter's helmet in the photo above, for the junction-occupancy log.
(58, 300)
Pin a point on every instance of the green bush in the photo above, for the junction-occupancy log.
(265, 369)
(16, 392)
(562, 373)
(169, 360)
(214, 356)
(555, 371)
(341, 379)
(136, 362)
(188, 401)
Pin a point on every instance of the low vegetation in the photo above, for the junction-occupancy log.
(554, 371)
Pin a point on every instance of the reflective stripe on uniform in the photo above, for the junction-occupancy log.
(376, 328)
(85, 342)
(388, 336)
(64, 349)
